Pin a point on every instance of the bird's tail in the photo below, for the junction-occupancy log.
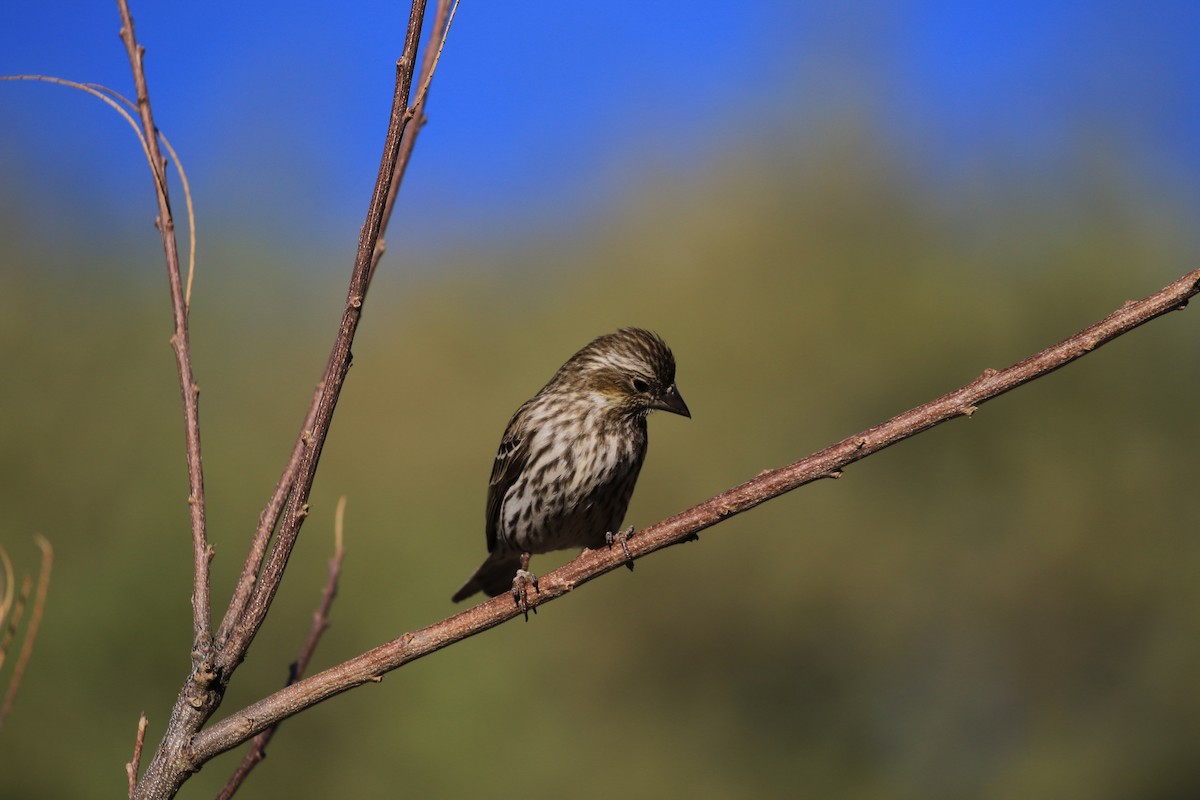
(494, 576)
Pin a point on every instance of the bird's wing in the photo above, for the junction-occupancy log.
(510, 462)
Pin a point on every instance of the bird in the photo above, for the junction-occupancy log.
(570, 456)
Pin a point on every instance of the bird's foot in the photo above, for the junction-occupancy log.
(623, 537)
(521, 583)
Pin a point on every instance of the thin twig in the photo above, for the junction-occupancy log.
(371, 666)
(9, 587)
(110, 97)
(321, 615)
(442, 19)
(183, 179)
(99, 92)
(201, 552)
(9, 631)
(134, 764)
(31, 630)
(258, 747)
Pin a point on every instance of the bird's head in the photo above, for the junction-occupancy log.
(633, 370)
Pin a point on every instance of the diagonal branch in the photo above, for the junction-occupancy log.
(370, 666)
(269, 519)
(201, 552)
(213, 666)
(242, 632)
(442, 18)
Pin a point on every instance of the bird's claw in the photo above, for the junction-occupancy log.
(623, 537)
(520, 591)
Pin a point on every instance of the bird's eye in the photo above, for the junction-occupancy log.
(640, 385)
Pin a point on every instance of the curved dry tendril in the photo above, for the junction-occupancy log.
(111, 98)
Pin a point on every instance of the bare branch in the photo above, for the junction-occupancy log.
(131, 768)
(214, 666)
(17, 609)
(442, 18)
(321, 615)
(201, 552)
(31, 630)
(183, 179)
(9, 588)
(113, 99)
(258, 747)
(242, 631)
(371, 666)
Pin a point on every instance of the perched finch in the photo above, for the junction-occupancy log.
(570, 456)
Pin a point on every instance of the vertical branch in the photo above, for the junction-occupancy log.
(443, 16)
(180, 343)
(242, 632)
(214, 661)
(269, 519)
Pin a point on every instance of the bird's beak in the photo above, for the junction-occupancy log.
(672, 401)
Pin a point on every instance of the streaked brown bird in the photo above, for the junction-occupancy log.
(570, 456)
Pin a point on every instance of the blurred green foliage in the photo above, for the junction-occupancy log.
(1003, 607)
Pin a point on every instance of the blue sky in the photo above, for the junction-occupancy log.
(546, 111)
